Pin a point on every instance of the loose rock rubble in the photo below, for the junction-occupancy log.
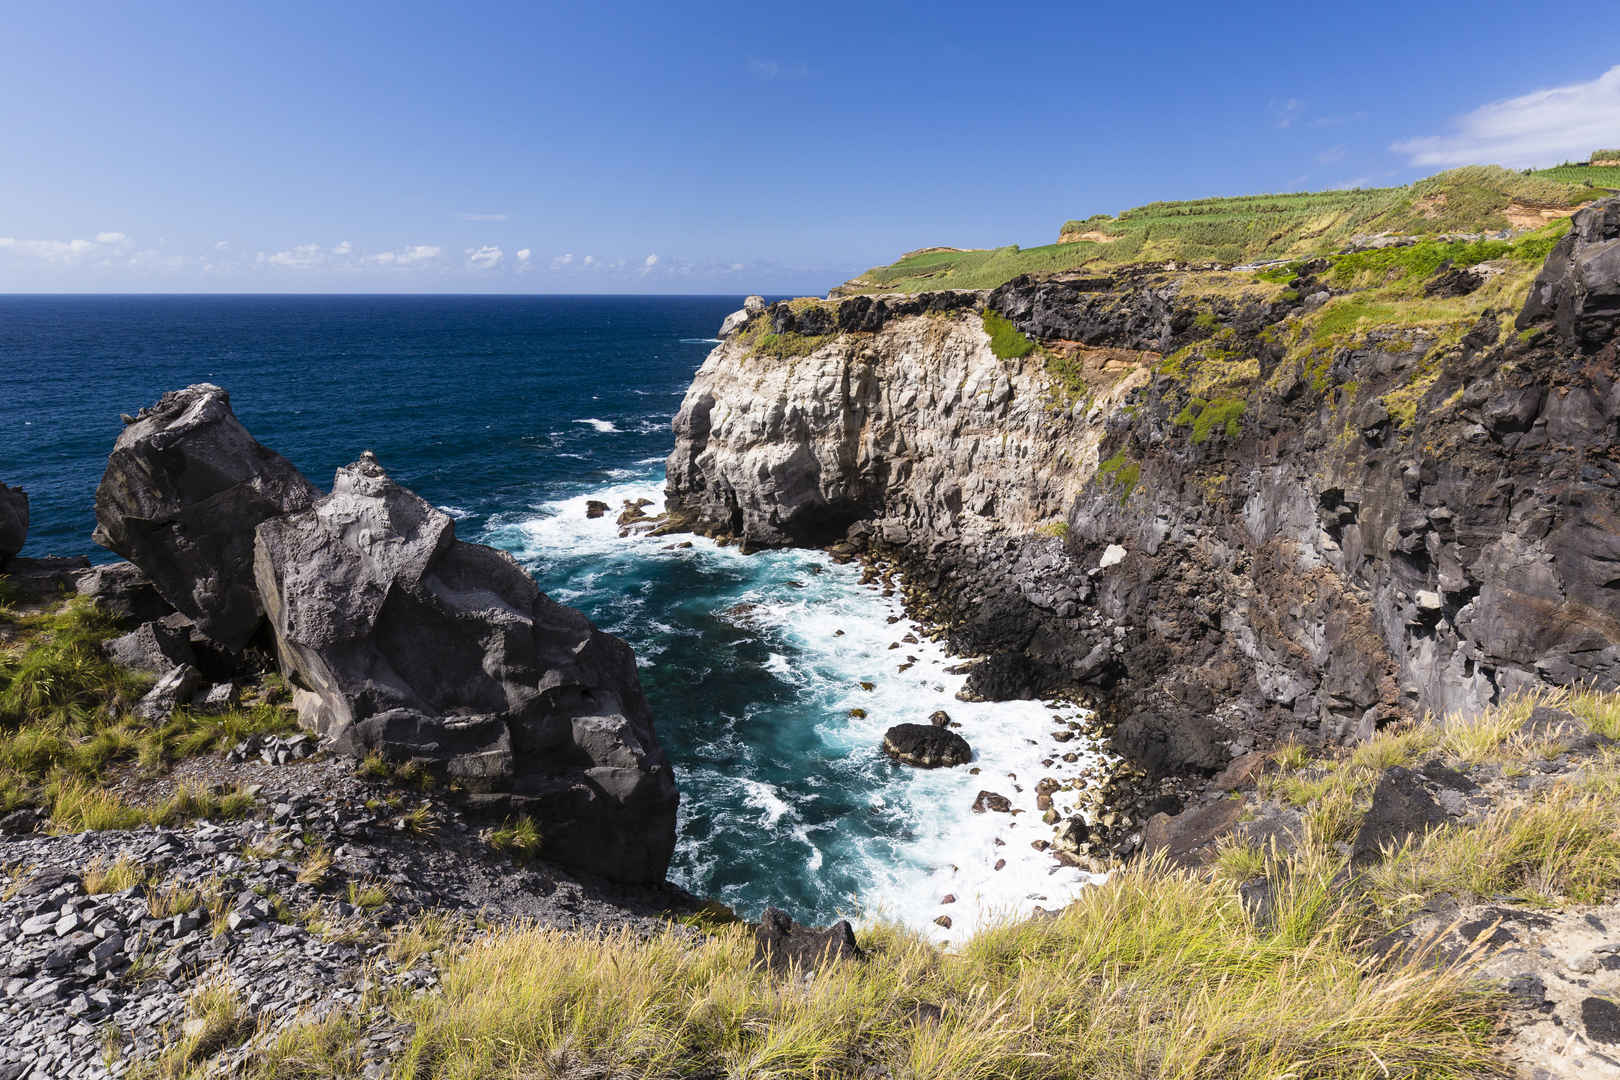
(291, 909)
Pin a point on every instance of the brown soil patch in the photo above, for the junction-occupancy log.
(1606, 163)
(1521, 216)
(1431, 206)
(1093, 235)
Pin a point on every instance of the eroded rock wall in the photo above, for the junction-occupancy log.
(1405, 524)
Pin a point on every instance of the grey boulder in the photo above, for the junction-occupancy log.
(403, 640)
(184, 488)
(122, 591)
(13, 521)
(174, 689)
(154, 647)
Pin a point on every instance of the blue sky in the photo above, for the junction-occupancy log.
(728, 148)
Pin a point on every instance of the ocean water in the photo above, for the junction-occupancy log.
(510, 413)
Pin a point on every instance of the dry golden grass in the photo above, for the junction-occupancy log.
(1160, 973)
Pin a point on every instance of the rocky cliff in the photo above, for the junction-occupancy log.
(1231, 507)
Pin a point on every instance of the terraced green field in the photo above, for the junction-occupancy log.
(1249, 228)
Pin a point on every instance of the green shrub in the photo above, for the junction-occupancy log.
(1208, 417)
(1005, 339)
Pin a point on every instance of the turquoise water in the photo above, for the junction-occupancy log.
(511, 412)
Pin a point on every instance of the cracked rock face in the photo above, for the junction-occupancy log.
(13, 521)
(404, 640)
(1315, 568)
(184, 488)
(1579, 288)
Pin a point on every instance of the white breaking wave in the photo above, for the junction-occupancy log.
(700, 341)
(604, 426)
(456, 513)
(828, 635)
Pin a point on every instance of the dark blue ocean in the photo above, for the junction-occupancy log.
(509, 413)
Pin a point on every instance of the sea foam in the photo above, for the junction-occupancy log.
(910, 837)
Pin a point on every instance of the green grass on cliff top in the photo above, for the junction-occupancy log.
(1255, 227)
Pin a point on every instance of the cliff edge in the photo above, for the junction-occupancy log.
(1234, 507)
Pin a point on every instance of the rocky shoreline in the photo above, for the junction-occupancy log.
(1311, 564)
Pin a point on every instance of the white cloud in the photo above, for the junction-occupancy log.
(343, 248)
(1351, 184)
(590, 260)
(1330, 155)
(523, 254)
(408, 256)
(524, 259)
(99, 251)
(487, 257)
(482, 216)
(560, 261)
(222, 245)
(1539, 128)
(299, 257)
(650, 261)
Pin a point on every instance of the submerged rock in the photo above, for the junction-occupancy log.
(13, 521)
(406, 641)
(184, 488)
(926, 746)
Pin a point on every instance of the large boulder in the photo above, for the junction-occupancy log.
(13, 521)
(1579, 287)
(403, 640)
(926, 746)
(184, 489)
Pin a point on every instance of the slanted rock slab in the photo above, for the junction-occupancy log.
(184, 489)
(403, 640)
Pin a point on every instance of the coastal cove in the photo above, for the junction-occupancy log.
(511, 414)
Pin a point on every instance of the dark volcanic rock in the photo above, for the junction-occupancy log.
(404, 640)
(122, 591)
(1579, 288)
(1401, 807)
(782, 943)
(990, 801)
(1317, 568)
(926, 746)
(13, 521)
(184, 488)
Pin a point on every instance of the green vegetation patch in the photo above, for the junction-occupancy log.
(1602, 178)
(1421, 261)
(1122, 472)
(1248, 228)
(65, 724)
(1209, 416)
(1006, 340)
